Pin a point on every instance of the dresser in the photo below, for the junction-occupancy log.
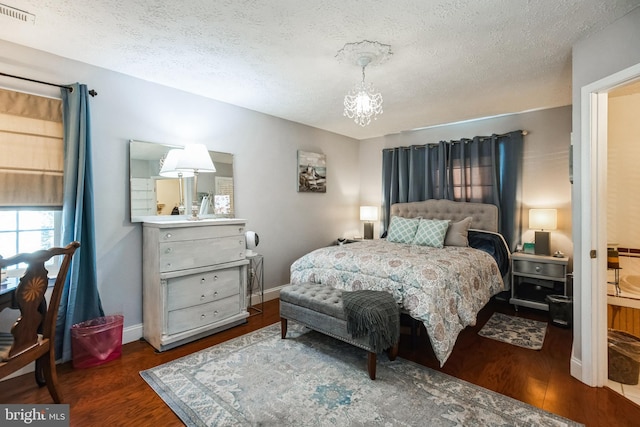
(194, 279)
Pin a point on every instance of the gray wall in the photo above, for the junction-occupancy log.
(265, 155)
(607, 52)
(545, 168)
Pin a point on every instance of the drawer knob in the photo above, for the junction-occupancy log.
(215, 278)
(203, 280)
(202, 297)
(215, 313)
(538, 269)
(202, 316)
(168, 235)
(168, 250)
(215, 294)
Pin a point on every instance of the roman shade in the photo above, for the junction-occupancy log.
(31, 150)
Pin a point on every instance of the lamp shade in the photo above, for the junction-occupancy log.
(168, 168)
(195, 157)
(368, 213)
(543, 219)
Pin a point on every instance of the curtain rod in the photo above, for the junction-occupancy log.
(69, 88)
(524, 132)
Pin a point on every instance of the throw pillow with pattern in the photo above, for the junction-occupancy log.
(402, 230)
(431, 232)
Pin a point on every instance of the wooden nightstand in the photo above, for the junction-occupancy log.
(533, 277)
(346, 241)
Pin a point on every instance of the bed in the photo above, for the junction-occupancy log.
(442, 287)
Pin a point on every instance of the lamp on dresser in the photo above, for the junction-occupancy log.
(195, 159)
(168, 170)
(368, 214)
(543, 219)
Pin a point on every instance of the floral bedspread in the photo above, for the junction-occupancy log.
(444, 288)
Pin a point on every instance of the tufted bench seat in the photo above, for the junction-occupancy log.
(319, 307)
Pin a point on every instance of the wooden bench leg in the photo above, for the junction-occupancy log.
(393, 352)
(371, 365)
(283, 327)
(414, 333)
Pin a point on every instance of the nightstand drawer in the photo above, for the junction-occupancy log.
(538, 268)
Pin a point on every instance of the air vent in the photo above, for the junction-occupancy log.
(18, 14)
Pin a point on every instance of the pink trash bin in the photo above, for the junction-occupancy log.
(96, 341)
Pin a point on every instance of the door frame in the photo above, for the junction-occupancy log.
(593, 193)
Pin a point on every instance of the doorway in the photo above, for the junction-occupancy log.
(593, 191)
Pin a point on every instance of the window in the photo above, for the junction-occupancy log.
(476, 185)
(31, 174)
(28, 231)
(31, 143)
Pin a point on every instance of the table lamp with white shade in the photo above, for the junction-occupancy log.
(543, 219)
(195, 159)
(168, 170)
(368, 214)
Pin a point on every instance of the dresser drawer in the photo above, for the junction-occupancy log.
(196, 289)
(539, 268)
(181, 255)
(195, 233)
(203, 314)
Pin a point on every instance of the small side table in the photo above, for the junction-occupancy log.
(533, 277)
(255, 283)
(346, 241)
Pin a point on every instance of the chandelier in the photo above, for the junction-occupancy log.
(363, 103)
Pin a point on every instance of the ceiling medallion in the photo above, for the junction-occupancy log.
(363, 102)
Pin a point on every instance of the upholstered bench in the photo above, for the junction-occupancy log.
(319, 307)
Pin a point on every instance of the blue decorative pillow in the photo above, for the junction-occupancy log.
(431, 232)
(402, 230)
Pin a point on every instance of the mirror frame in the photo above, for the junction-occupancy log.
(153, 148)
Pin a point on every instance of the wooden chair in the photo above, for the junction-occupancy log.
(33, 334)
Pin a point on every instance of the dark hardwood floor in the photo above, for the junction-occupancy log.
(114, 394)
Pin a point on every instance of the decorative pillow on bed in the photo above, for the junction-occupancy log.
(457, 233)
(431, 232)
(402, 230)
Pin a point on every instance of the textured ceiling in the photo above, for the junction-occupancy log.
(452, 60)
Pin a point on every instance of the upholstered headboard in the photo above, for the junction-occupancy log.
(485, 216)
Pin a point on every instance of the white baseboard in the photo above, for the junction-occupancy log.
(131, 333)
(576, 368)
(31, 367)
(269, 294)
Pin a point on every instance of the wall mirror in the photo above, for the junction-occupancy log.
(157, 197)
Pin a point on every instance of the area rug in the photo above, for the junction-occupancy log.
(310, 379)
(518, 331)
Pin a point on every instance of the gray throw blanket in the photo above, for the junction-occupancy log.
(374, 313)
